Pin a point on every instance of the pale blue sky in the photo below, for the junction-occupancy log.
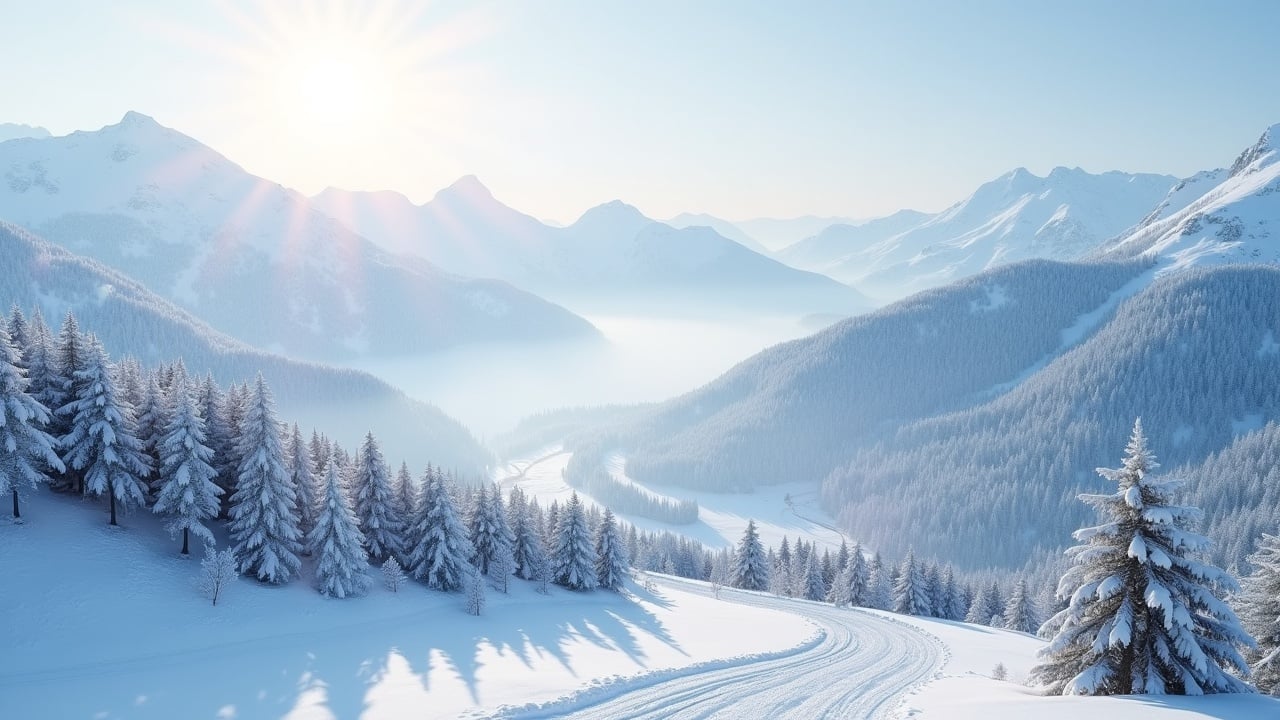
(734, 108)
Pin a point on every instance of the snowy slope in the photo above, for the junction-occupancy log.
(123, 624)
(1217, 216)
(130, 320)
(1017, 216)
(611, 258)
(250, 257)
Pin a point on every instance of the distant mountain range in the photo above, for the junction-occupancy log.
(131, 320)
(613, 257)
(1063, 216)
(964, 420)
(249, 257)
(10, 131)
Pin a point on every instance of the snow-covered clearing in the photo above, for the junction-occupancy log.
(789, 510)
(105, 623)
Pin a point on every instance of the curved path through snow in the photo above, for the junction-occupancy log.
(862, 668)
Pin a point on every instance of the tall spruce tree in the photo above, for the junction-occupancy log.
(611, 555)
(441, 551)
(954, 607)
(264, 528)
(487, 528)
(101, 444)
(152, 414)
(337, 543)
(526, 547)
(69, 358)
(186, 492)
(1145, 615)
(910, 596)
(572, 559)
(1020, 612)
(1259, 603)
(26, 450)
(406, 493)
(376, 505)
(303, 479)
(750, 566)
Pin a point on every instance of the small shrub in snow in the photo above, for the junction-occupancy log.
(999, 672)
(392, 575)
(217, 571)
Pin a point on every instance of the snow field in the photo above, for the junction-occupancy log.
(114, 612)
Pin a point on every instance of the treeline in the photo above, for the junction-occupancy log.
(199, 454)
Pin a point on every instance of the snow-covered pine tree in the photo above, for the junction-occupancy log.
(26, 450)
(321, 451)
(19, 333)
(1145, 615)
(526, 547)
(879, 586)
(980, 609)
(750, 566)
(855, 577)
(185, 490)
(994, 610)
(264, 528)
(375, 499)
(337, 543)
(303, 479)
(937, 591)
(406, 494)
(152, 422)
(572, 559)
(910, 596)
(209, 401)
(101, 445)
(812, 587)
(68, 358)
(611, 556)
(441, 549)
(839, 594)
(487, 529)
(1020, 613)
(475, 590)
(38, 359)
(1259, 602)
(954, 606)
(231, 413)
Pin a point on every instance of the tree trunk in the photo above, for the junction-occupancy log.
(112, 494)
(184, 542)
(16, 514)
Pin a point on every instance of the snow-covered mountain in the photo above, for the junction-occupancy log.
(248, 256)
(1018, 216)
(613, 256)
(131, 320)
(724, 227)
(778, 233)
(1216, 216)
(11, 131)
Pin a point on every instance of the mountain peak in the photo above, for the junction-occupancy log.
(614, 216)
(468, 188)
(1266, 145)
(134, 118)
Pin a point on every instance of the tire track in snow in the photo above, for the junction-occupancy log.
(862, 667)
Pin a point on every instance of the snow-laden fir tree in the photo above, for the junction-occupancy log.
(487, 529)
(879, 585)
(812, 586)
(572, 559)
(611, 555)
(26, 450)
(303, 479)
(910, 596)
(980, 609)
(68, 359)
(101, 444)
(376, 504)
(337, 543)
(475, 590)
(1020, 613)
(185, 489)
(152, 422)
(954, 607)
(406, 493)
(19, 333)
(1259, 602)
(1145, 615)
(440, 553)
(38, 360)
(264, 528)
(856, 577)
(228, 460)
(839, 594)
(526, 546)
(750, 566)
(937, 591)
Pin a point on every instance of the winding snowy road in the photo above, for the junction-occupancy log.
(861, 668)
